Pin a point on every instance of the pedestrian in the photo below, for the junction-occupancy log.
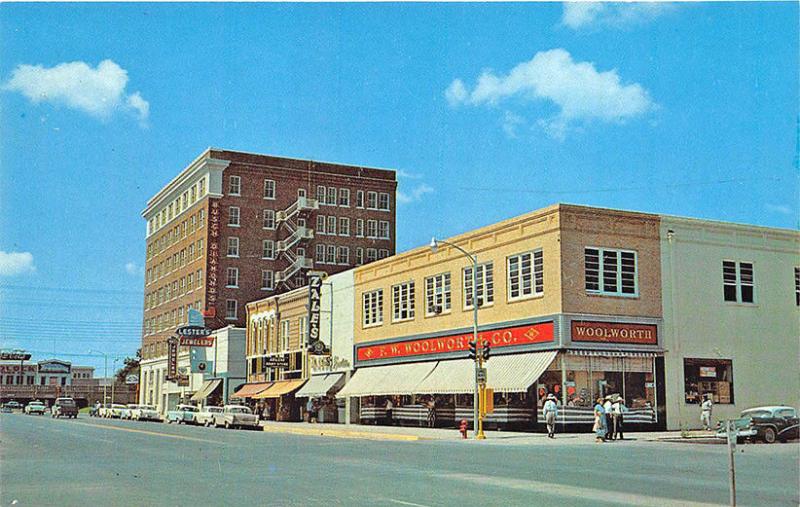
(389, 409)
(619, 409)
(550, 412)
(599, 427)
(310, 409)
(609, 418)
(432, 412)
(705, 412)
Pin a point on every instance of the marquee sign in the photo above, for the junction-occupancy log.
(614, 332)
(172, 358)
(315, 345)
(14, 355)
(507, 337)
(213, 252)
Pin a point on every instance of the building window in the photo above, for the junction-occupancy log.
(372, 200)
(359, 199)
(302, 324)
(268, 249)
(190, 282)
(383, 253)
(485, 283)
(199, 278)
(437, 294)
(331, 257)
(201, 187)
(321, 194)
(285, 327)
(331, 226)
(712, 377)
(403, 301)
(359, 256)
(331, 196)
(319, 254)
(301, 192)
(235, 186)
(737, 281)
(611, 272)
(269, 189)
(344, 226)
(344, 197)
(344, 255)
(233, 278)
(269, 219)
(321, 224)
(267, 279)
(373, 307)
(797, 286)
(233, 247)
(230, 309)
(372, 228)
(383, 229)
(233, 216)
(359, 228)
(525, 275)
(372, 254)
(383, 201)
(193, 194)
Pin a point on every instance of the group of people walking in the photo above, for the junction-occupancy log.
(609, 418)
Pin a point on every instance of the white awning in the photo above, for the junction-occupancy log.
(509, 374)
(208, 387)
(394, 379)
(320, 385)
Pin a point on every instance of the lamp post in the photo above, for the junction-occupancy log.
(105, 373)
(476, 430)
(114, 376)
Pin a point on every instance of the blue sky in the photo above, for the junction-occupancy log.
(489, 111)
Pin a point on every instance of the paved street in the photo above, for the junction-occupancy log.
(99, 462)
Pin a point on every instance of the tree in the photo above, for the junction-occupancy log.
(130, 367)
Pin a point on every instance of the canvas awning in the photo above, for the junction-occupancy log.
(320, 385)
(279, 388)
(249, 390)
(395, 379)
(209, 386)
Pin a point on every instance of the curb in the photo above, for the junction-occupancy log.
(364, 435)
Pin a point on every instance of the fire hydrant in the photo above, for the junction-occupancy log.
(462, 428)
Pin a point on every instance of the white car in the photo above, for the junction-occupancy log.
(114, 411)
(145, 413)
(127, 412)
(35, 407)
(206, 415)
(236, 416)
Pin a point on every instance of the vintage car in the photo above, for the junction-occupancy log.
(11, 405)
(115, 411)
(767, 424)
(144, 413)
(182, 414)
(127, 412)
(236, 416)
(64, 407)
(35, 407)
(206, 415)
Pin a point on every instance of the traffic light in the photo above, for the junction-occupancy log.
(473, 350)
(487, 349)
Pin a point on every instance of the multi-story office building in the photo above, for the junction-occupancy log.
(235, 227)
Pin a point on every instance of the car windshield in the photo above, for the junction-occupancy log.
(66, 403)
(36, 404)
(239, 410)
(146, 407)
(214, 409)
(188, 409)
(118, 406)
(756, 413)
(133, 406)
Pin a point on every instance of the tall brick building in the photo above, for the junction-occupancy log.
(234, 227)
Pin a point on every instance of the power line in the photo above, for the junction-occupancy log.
(70, 289)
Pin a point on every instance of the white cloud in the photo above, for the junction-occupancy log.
(407, 175)
(456, 93)
(577, 88)
(578, 15)
(510, 123)
(16, 263)
(98, 91)
(415, 194)
(132, 269)
(779, 208)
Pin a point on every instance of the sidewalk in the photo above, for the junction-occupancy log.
(410, 434)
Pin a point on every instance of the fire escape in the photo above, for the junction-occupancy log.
(287, 219)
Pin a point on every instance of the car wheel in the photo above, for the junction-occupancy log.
(227, 425)
(769, 436)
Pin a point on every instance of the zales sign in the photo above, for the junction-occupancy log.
(613, 332)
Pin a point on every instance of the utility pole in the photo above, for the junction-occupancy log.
(732, 437)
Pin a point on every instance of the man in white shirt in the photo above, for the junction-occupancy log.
(550, 410)
(705, 412)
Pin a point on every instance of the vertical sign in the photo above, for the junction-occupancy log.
(315, 345)
(172, 358)
(213, 253)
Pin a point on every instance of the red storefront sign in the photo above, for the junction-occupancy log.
(213, 253)
(612, 332)
(522, 335)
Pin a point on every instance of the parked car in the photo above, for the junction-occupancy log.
(182, 414)
(35, 407)
(767, 424)
(114, 411)
(236, 416)
(145, 413)
(5, 409)
(206, 415)
(13, 405)
(64, 407)
(127, 412)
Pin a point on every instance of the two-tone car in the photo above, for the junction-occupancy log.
(115, 411)
(236, 416)
(64, 407)
(182, 414)
(35, 407)
(127, 412)
(206, 415)
(145, 413)
(12, 405)
(767, 424)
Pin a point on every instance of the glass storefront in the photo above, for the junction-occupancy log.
(713, 377)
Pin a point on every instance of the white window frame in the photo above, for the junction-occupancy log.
(381, 197)
(286, 328)
(233, 245)
(403, 301)
(533, 290)
(235, 182)
(359, 227)
(268, 217)
(268, 249)
(601, 266)
(359, 256)
(270, 189)
(331, 227)
(237, 214)
(330, 257)
(302, 331)
(321, 223)
(332, 197)
(372, 255)
(370, 195)
(372, 229)
(344, 197)
(359, 199)
(383, 230)
(267, 279)
(343, 256)
(487, 295)
(438, 292)
(319, 253)
(235, 272)
(372, 308)
(228, 315)
(322, 193)
(739, 282)
(344, 226)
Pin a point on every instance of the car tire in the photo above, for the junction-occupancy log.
(227, 425)
(769, 436)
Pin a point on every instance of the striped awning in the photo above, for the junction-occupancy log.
(394, 379)
(209, 386)
(279, 388)
(613, 353)
(320, 385)
(248, 390)
(516, 373)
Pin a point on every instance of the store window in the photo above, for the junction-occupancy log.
(737, 281)
(708, 376)
(611, 272)
(372, 307)
(437, 294)
(403, 301)
(485, 283)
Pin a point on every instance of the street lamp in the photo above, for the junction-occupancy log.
(476, 430)
(105, 373)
